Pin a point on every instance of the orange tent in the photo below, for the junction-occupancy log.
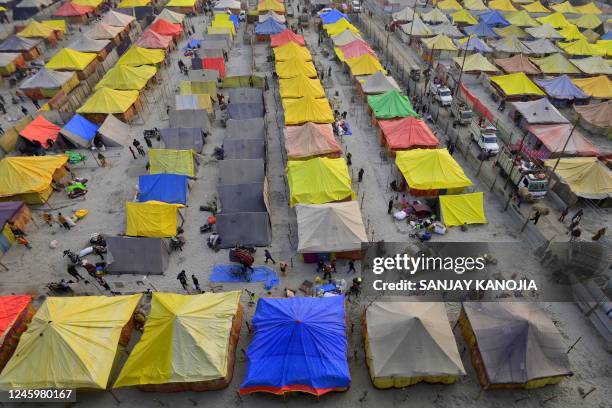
(356, 49)
(71, 9)
(40, 130)
(164, 27)
(16, 311)
(407, 133)
(151, 39)
(311, 139)
(285, 37)
(555, 140)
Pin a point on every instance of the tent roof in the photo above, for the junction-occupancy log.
(418, 27)
(449, 5)
(597, 86)
(151, 39)
(521, 19)
(411, 339)
(117, 19)
(40, 130)
(269, 15)
(121, 259)
(556, 20)
(516, 84)
(81, 128)
(494, 18)
(593, 65)
(172, 161)
(70, 60)
(11, 306)
(463, 209)
(597, 114)
(102, 31)
(152, 219)
(70, 343)
(589, 8)
(475, 5)
(307, 109)
(447, 29)
(291, 68)
(126, 77)
(475, 63)
(70, 9)
(571, 32)
(482, 29)
(189, 118)
(183, 139)
(430, 169)
(107, 100)
(171, 16)
(561, 87)
(587, 21)
(86, 44)
(17, 43)
(587, 177)
(247, 228)
(463, 16)
(167, 188)
(133, 3)
(378, 83)
(565, 7)
(244, 148)
(555, 137)
(555, 64)
(581, 47)
(517, 63)
(242, 198)
(345, 37)
(47, 78)
(407, 133)
(333, 16)
(8, 209)
(434, 16)
(299, 345)
(366, 64)
(165, 27)
(539, 111)
(36, 30)
(7, 58)
(284, 37)
(517, 342)
(332, 227)
(270, 27)
(245, 110)
(511, 45)
(391, 104)
(542, 46)
(242, 171)
(544, 31)
(186, 339)
(265, 5)
(91, 3)
(535, 7)
(405, 14)
(115, 130)
(245, 129)
(137, 56)
(339, 26)
(440, 42)
(354, 49)
(318, 180)
(475, 44)
(511, 31)
(502, 5)
(291, 50)
(310, 139)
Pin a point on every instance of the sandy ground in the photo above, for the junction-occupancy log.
(111, 187)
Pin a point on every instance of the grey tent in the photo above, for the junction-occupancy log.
(378, 83)
(245, 95)
(408, 342)
(241, 171)
(446, 29)
(187, 102)
(86, 44)
(247, 228)
(137, 255)
(245, 129)
(515, 343)
(244, 148)
(47, 78)
(214, 44)
(542, 46)
(14, 43)
(540, 111)
(183, 139)
(223, 39)
(241, 198)
(114, 133)
(203, 74)
(211, 53)
(189, 118)
(245, 110)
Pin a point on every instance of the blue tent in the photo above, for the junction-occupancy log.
(192, 44)
(269, 27)
(79, 131)
(168, 188)
(494, 18)
(333, 16)
(607, 36)
(234, 18)
(561, 87)
(475, 44)
(481, 30)
(299, 345)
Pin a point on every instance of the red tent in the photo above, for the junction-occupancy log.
(284, 37)
(40, 130)
(151, 39)
(16, 312)
(71, 10)
(214, 63)
(407, 133)
(554, 138)
(356, 49)
(164, 27)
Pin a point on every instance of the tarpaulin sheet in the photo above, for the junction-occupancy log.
(517, 63)
(71, 9)
(310, 139)
(291, 50)
(539, 111)
(449, 5)
(126, 77)
(36, 30)
(114, 132)
(586, 176)
(494, 18)
(366, 64)
(79, 130)
(542, 46)
(477, 105)
(241, 198)
(463, 209)
(593, 65)
(164, 27)
(318, 180)
(48, 79)
(482, 30)
(378, 83)
(300, 85)
(299, 345)
(242, 111)
(555, 139)
(183, 139)
(475, 63)
(596, 114)
(511, 31)
(231, 274)
(431, 169)
(245, 129)
(246, 228)
(14, 43)
(272, 5)
(510, 45)
(171, 16)
(241, 171)
(516, 84)
(70, 60)
(556, 20)
(244, 148)
(475, 44)
(589, 8)
(71, 342)
(463, 17)
(40, 130)
(137, 56)
(407, 133)
(269, 27)
(339, 26)
(285, 37)
(10, 309)
(86, 44)
(151, 39)
(521, 19)
(151, 219)
(107, 100)
(193, 102)
(597, 87)
(502, 5)
(102, 31)
(391, 104)
(353, 50)
(194, 87)
(291, 68)
(186, 339)
(189, 118)
(172, 162)
(244, 95)
(117, 19)
(271, 15)
(446, 29)
(307, 109)
(535, 7)
(217, 64)
(167, 188)
(333, 16)
(345, 37)
(137, 256)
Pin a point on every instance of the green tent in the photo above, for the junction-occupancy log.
(391, 104)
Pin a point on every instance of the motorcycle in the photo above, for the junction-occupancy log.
(74, 258)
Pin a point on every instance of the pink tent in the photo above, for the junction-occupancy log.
(356, 49)
(310, 139)
(151, 39)
(285, 37)
(554, 137)
(407, 133)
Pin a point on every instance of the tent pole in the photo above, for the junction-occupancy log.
(467, 46)
(566, 143)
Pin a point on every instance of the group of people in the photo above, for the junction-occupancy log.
(328, 268)
(139, 148)
(95, 271)
(182, 278)
(573, 229)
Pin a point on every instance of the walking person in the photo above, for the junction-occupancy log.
(578, 215)
(390, 206)
(1, 130)
(320, 265)
(573, 225)
(563, 214)
(360, 175)
(138, 147)
(268, 256)
(575, 234)
(35, 103)
(536, 217)
(333, 265)
(349, 160)
(196, 283)
(182, 277)
(72, 271)
(132, 151)
(24, 110)
(351, 266)
(2, 108)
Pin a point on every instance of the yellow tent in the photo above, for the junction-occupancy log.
(586, 176)
(181, 3)
(449, 5)
(2, 8)
(70, 60)
(126, 77)
(318, 181)
(29, 178)
(439, 43)
(300, 86)
(589, 8)
(36, 30)
(556, 20)
(133, 3)
(339, 26)
(107, 100)
(198, 88)
(172, 162)
(535, 7)
(137, 56)
(186, 339)
(511, 31)
(516, 84)
(501, 5)
(582, 47)
(366, 64)
(270, 5)
(463, 209)
(220, 30)
(152, 219)
(463, 16)
(605, 48)
(295, 67)
(597, 87)
(72, 342)
(555, 64)
(222, 17)
(565, 7)
(587, 21)
(57, 25)
(90, 3)
(307, 109)
(474, 5)
(431, 169)
(475, 63)
(571, 32)
(521, 19)
(224, 24)
(291, 50)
